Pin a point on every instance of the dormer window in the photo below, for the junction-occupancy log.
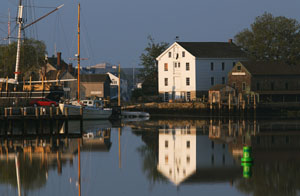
(183, 53)
(239, 67)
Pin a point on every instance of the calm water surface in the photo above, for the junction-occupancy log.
(154, 157)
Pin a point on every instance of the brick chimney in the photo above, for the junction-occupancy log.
(70, 68)
(59, 61)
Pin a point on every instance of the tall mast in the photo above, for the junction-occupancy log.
(8, 26)
(20, 22)
(78, 53)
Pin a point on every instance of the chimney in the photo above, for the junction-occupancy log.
(230, 41)
(70, 68)
(58, 60)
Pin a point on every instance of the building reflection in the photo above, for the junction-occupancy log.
(210, 151)
(177, 153)
(38, 154)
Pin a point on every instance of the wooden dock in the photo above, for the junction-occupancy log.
(28, 113)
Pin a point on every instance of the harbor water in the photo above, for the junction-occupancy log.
(151, 157)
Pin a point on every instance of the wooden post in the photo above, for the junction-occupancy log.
(51, 112)
(36, 112)
(57, 111)
(10, 111)
(254, 104)
(66, 112)
(5, 112)
(229, 101)
(25, 111)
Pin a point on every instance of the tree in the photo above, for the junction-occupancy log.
(272, 38)
(32, 57)
(149, 73)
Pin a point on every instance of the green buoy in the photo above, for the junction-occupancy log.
(247, 162)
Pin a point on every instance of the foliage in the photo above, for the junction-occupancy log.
(149, 72)
(32, 57)
(272, 38)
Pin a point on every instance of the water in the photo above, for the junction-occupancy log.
(155, 157)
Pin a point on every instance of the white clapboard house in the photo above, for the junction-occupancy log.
(187, 70)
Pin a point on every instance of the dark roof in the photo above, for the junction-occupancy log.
(94, 78)
(217, 87)
(51, 75)
(270, 68)
(213, 49)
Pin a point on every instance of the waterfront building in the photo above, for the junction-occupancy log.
(269, 81)
(95, 85)
(187, 70)
(114, 87)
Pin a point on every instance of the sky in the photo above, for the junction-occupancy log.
(116, 31)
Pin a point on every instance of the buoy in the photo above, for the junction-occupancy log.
(247, 162)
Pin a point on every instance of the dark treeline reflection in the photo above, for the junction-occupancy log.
(209, 151)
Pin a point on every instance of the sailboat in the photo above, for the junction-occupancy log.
(13, 92)
(96, 111)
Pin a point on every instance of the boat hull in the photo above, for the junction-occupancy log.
(88, 113)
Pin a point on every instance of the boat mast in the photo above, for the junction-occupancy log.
(8, 26)
(20, 22)
(78, 53)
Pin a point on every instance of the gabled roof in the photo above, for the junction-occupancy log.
(270, 68)
(213, 49)
(94, 78)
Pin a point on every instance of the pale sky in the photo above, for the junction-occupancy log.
(116, 31)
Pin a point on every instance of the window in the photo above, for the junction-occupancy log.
(187, 66)
(188, 96)
(188, 144)
(257, 86)
(223, 80)
(212, 81)
(211, 66)
(170, 54)
(244, 86)
(272, 85)
(233, 64)
(286, 86)
(166, 66)
(166, 159)
(188, 159)
(223, 66)
(183, 53)
(166, 81)
(166, 144)
(166, 96)
(175, 64)
(188, 81)
(239, 68)
(233, 85)
(178, 64)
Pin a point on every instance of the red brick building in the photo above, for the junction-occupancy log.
(272, 81)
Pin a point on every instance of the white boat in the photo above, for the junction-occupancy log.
(88, 113)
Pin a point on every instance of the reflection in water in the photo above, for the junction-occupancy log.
(25, 160)
(209, 151)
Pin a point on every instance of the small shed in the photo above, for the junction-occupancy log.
(220, 93)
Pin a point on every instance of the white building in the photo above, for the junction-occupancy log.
(187, 70)
(177, 153)
(114, 87)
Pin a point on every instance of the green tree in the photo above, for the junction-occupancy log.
(149, 73)
(271, 38)
(32, 57)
